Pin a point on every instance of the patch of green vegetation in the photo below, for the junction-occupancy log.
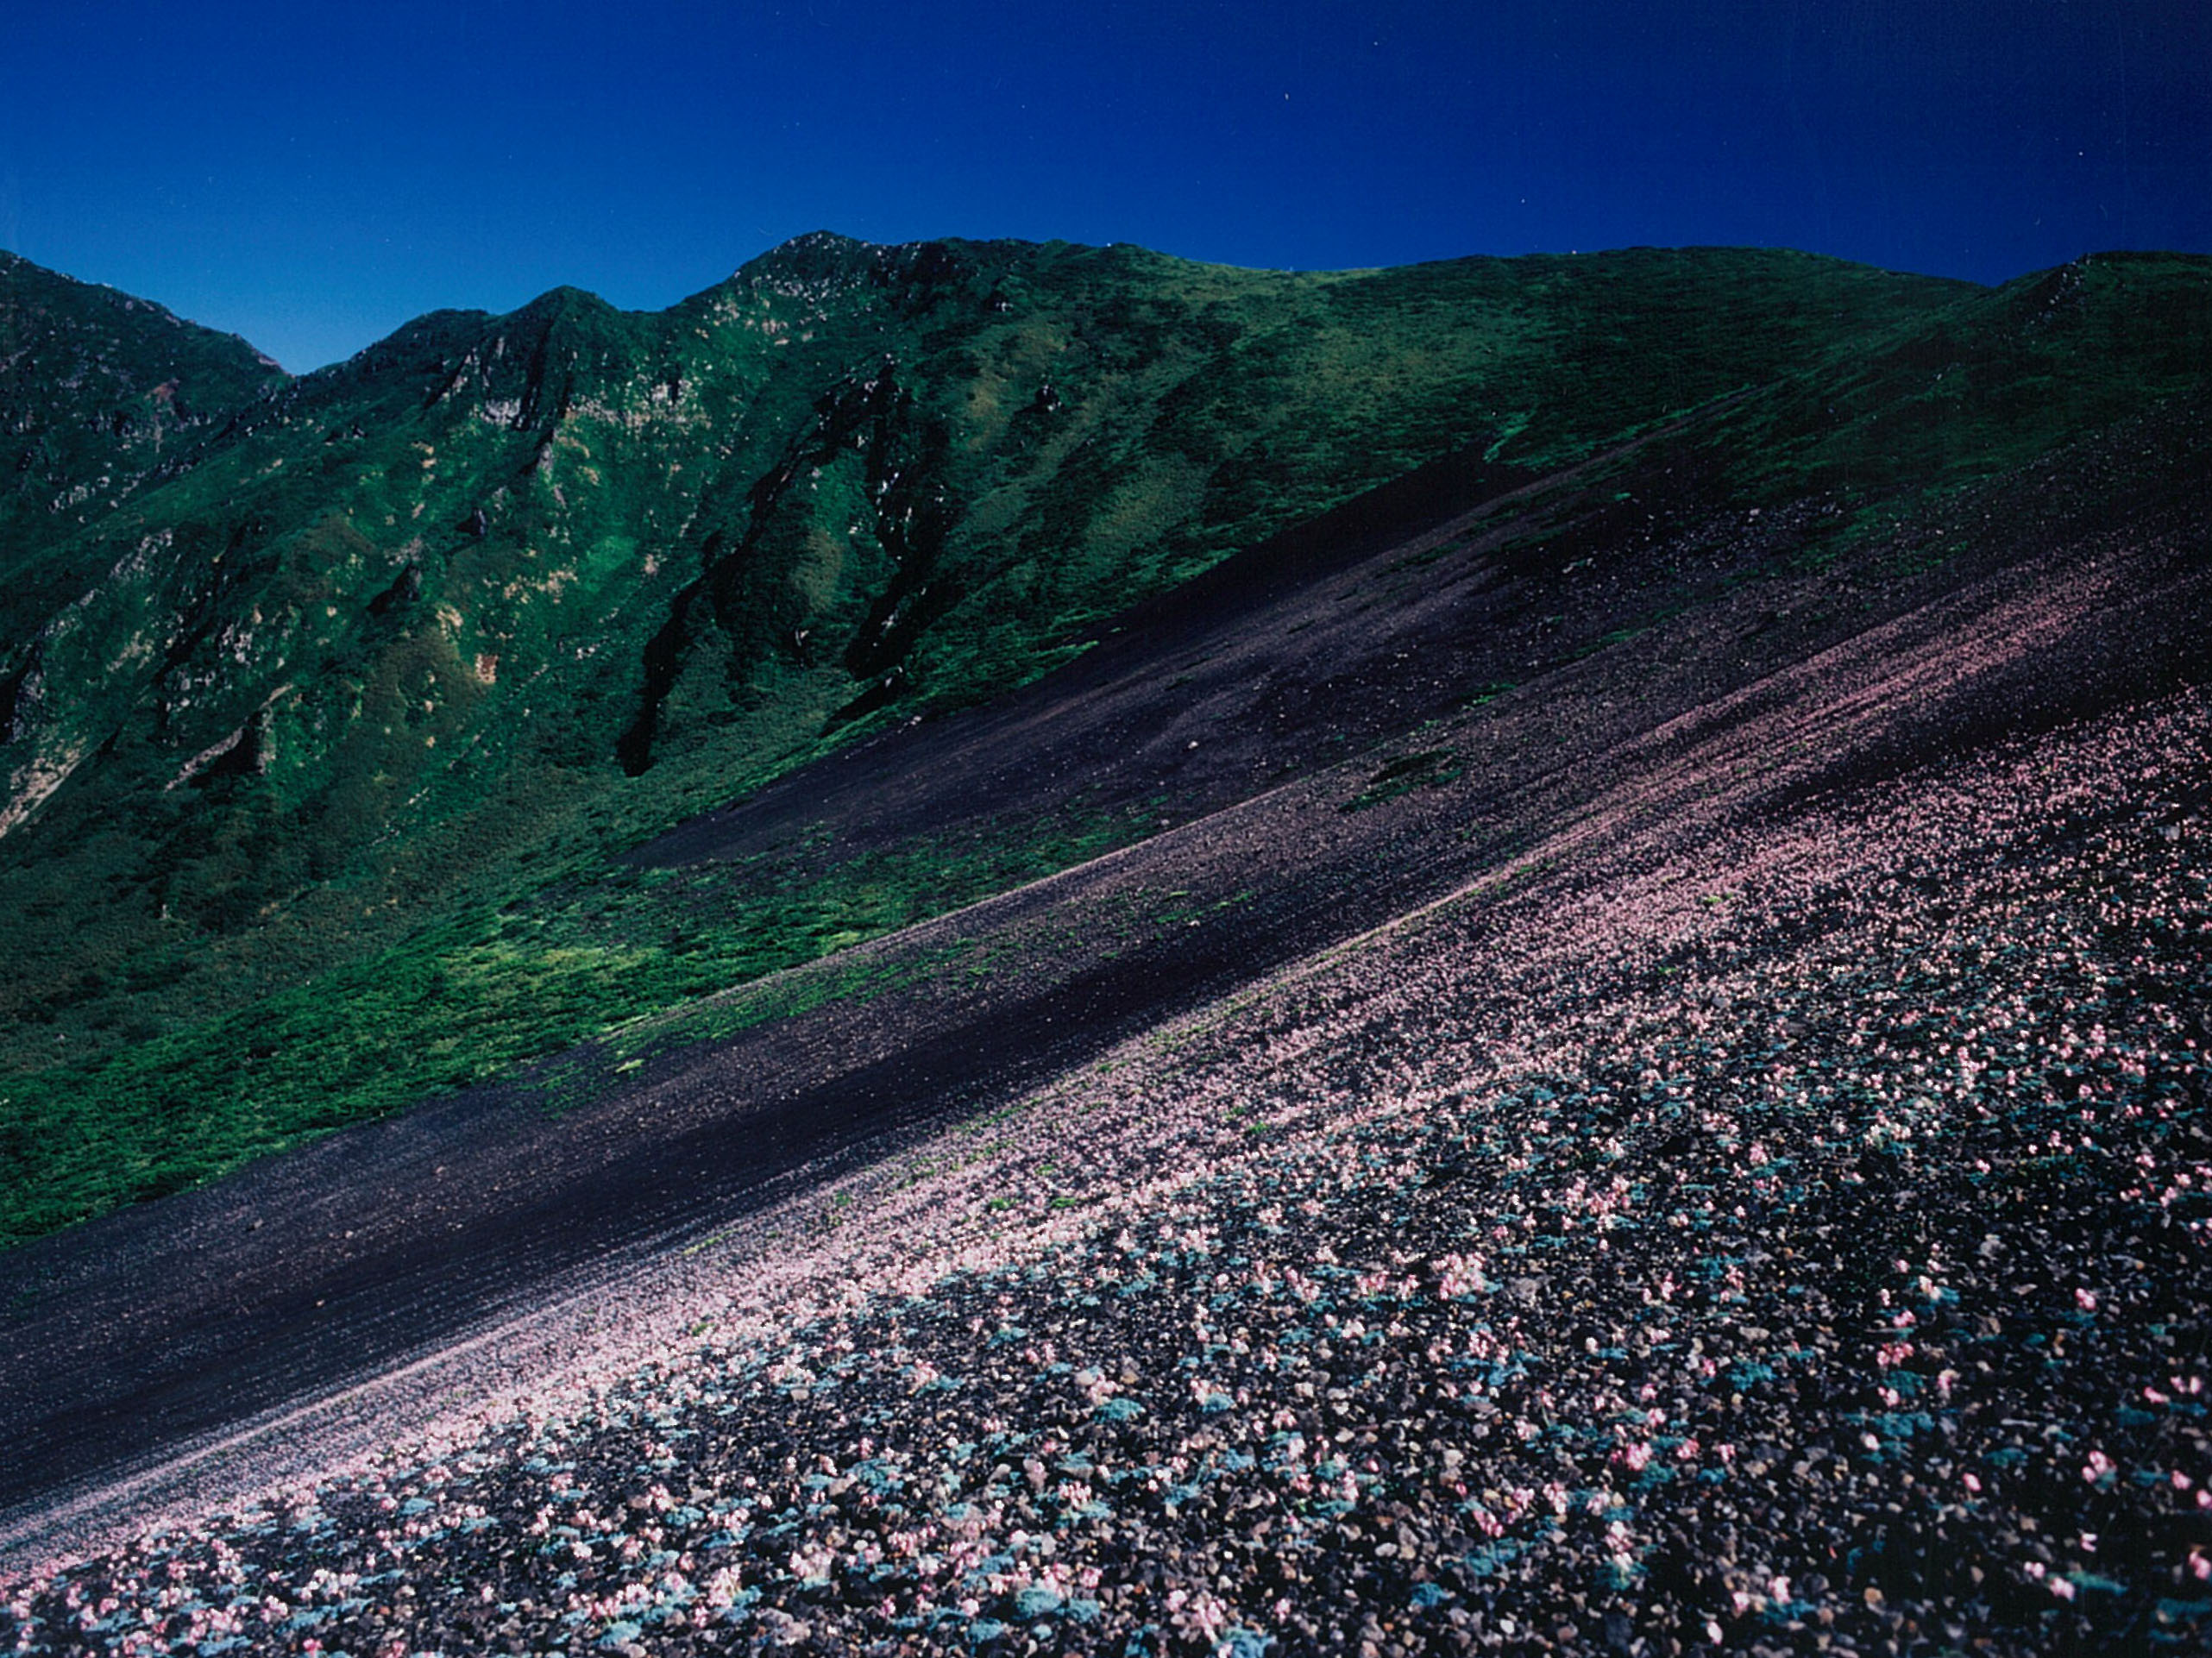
(629, 962)
(1431, 769)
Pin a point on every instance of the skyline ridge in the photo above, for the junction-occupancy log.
(807, 237)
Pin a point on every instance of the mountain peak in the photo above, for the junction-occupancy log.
(816, 252)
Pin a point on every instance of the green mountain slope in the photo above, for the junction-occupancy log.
(297, 712)
(102, 397)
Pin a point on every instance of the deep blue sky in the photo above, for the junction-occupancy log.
(311, 177)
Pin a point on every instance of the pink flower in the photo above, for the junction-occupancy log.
(1197, 1615)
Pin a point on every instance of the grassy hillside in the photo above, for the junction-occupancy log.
(322, 736)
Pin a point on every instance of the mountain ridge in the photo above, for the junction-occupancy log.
(407, 639)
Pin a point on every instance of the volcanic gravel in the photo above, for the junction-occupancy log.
(1793, 1242)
